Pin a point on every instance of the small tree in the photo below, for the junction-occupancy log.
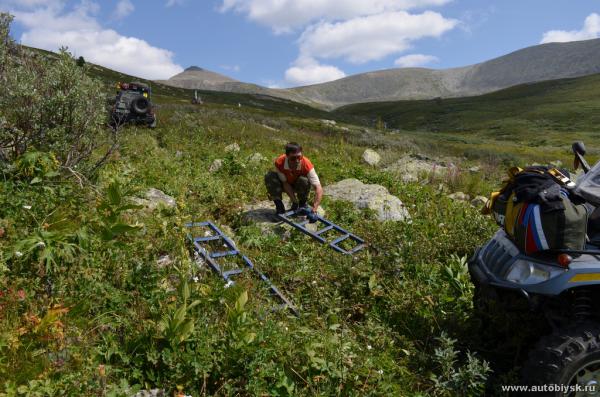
(48, 105)
(81, 61)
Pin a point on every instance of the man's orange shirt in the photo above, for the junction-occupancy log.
(304, 167)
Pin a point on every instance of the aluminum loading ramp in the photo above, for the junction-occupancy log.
(200, 245)
(295, 219)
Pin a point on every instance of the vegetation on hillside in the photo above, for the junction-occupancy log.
(100, 296)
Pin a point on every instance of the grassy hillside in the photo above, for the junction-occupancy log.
(554, 106)
(87, 308)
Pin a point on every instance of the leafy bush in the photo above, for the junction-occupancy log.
(47, 103)
(455, 380)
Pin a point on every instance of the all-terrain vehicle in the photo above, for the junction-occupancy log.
(560, 287)
(132, 105)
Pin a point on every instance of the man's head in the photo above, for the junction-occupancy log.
(293, 151)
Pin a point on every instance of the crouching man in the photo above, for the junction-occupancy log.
(293, 174)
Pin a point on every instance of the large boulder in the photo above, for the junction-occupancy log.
(371, 157)
(373, 197)
(415, 167)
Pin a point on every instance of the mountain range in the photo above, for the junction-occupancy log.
(532, 64)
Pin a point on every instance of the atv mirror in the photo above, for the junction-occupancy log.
(579, 151)
(579, 147)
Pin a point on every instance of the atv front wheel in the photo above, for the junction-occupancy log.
(568, 358)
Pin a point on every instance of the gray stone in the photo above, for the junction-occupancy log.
(479, 201)
(216, 165)
(234, 147)
(415, 167)
(373, 197)
(371, 157)
(178, 154)
(459, 196)
(256, 159)
(154, 198)
(164, 261)
(474, 169)
(151, 393)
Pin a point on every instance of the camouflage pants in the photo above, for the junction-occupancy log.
(275, 187)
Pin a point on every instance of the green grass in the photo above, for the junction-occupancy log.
(97, 315)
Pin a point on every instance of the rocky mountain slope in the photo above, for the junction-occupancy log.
(537, 63)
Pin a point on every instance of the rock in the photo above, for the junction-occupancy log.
(329, 122)
(256, 159)
(164, 261)
(374, 197)
(178, 154)
(234, 147)
(216, 165)
(474, 169)
(151, 393)
(479, 201)
(415, 167)
(154, 198)
(459, 196)
(371, 157)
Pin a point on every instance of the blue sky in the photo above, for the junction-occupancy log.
(283, 43)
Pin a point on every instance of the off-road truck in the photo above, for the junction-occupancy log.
(132, 105)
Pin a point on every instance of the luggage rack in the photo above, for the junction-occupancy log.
(211, 258)
(344, 235)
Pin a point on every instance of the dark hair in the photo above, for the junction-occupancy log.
(292, 147)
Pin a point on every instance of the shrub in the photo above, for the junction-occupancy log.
(47, 104)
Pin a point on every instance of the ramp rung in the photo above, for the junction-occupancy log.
(339, 239)
(325, 229)
(357, 248)
(205, 239)
(232, 272)
(223, 253)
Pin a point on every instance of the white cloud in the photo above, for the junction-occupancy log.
(286, 15)
(124, 8)
(373, 37)
(413, 60)
(53, 26)
(590, 30)
(308, 71)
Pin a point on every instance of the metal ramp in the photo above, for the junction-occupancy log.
(211, 258)
(329, 227)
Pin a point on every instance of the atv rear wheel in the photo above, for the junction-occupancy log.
(569, 357)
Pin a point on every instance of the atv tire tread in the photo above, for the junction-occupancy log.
(558, 355)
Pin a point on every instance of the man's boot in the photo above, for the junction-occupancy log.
(279, 207)
(294, 206)
(302, 204)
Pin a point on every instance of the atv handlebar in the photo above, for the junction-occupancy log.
(579, 151)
